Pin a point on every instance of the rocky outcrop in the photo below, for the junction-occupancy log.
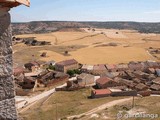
(7, 94)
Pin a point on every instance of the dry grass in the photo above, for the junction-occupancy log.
(91, 55)
(68, 103)
(150, 105)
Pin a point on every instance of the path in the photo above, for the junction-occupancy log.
(25, 101)
(102, 107)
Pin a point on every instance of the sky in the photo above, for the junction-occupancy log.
(88, 10)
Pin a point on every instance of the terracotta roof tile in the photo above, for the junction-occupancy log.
(67, 62)
(102, 92)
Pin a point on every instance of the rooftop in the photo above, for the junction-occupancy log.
(99, 67)
(67, 62)
(102, 92)
(103, 80)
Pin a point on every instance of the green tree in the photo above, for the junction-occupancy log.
(51, 67)
(71, 72)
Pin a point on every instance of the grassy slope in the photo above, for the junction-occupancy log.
(68, 103)
(150, 105)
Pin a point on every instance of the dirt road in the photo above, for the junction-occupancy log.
(102, 107)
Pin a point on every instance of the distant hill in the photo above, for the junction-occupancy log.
(51, 26)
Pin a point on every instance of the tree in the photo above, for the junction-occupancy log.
(71, 72)
(51, 67)
(66, 52)
(77, 71)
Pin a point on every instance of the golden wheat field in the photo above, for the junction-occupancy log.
(90, 47)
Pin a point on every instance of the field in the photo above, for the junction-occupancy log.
(64, 104)
(142, 105)
(90, 47)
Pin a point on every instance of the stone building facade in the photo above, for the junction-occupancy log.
(7, 94)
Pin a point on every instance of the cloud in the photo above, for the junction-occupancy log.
(153, 12)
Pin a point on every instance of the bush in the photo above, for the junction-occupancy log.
(72, 72)
(51, 67)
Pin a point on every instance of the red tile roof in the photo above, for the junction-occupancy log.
(109, 67)
(67, 62)
(99, 67)
(103, 80)
(102, 92)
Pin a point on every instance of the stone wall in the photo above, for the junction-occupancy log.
(7, 94)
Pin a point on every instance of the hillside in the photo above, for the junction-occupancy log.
(52, 26)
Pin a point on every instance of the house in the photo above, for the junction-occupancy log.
(136, 80)
(85, 79)
(122, 67)
(32, 66)
(156, 81)
(99, 69)
(112, 68)
(150, 71)
(141, 87)
(28, 83)
(128, 83)
(105, 82)
(111, 75)
(18, 71)
(34, 74)
(134, 66)
(66, 65)
(155, 87)
(158, 72)
(153, 64)
(126, 75)
(52, 77)
(87, 68)
(99, 93)
(140, 74)
(151, 77)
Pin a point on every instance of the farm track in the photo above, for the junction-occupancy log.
(80, 38)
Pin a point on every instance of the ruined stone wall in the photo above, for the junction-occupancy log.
(7, 101)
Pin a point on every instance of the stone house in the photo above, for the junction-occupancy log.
(87, 68)
(156, 81)
(128, 83)
(28, 83)
(66, 65)
(122, 67)
(155, 87)
(112, 68)
(158, 72)
(135, 66)
(99, 69)
(52, 77)
(141, 87)
(85, 79)
(140, 74)
(32, 66)
(153, 64)
(105, 82)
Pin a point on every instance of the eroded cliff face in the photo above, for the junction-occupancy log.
(7, 94)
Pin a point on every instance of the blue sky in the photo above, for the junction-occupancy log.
(89, 10)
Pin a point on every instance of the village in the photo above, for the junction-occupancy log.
(132, 79)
